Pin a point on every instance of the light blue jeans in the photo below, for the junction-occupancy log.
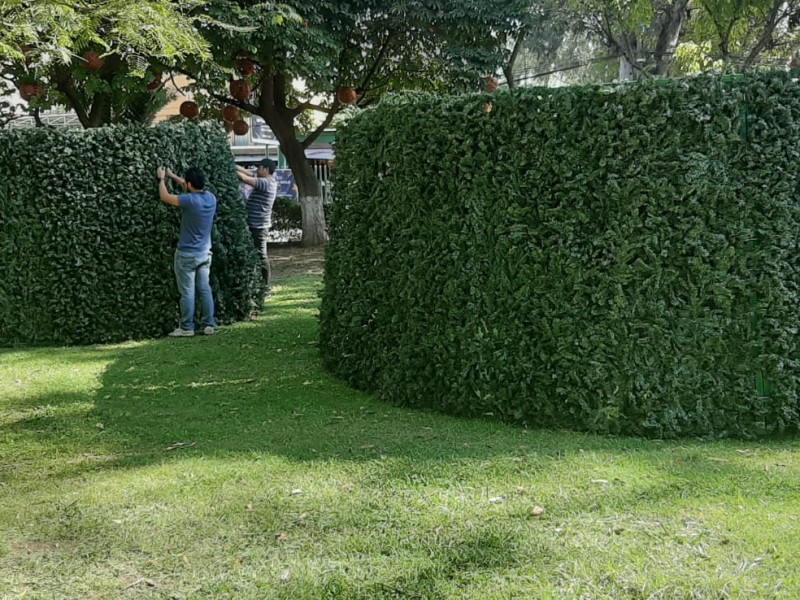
(191, 275)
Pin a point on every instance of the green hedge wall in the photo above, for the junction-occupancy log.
(620, 260)
(86, 246)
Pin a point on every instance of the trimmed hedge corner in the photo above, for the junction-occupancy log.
(619, 260)
(86, 246)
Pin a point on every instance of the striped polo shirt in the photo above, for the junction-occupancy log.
(260, 201)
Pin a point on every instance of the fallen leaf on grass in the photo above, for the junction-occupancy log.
(537, 511)
(296, 492)
(282, 537)
(496, 500)
(285, 576)
(100, 426)
(249, 508)
(599, 481)
(179, 445)
(147, 582)
(348, 487)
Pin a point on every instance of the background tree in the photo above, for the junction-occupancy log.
(343, 53)
(740, 35)
(656, 37)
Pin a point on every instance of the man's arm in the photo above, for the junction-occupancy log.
(166, 197)
(179, 180)
(244, 176)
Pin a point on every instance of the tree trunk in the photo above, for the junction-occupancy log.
(669, 36)
(625, 69)
(308, 186)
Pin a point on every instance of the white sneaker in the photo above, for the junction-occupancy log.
(182, 333)
(209, 330)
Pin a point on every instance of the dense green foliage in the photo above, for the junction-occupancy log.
(86, 246)
(617, 260)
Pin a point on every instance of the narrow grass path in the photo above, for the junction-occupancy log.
(233, 466)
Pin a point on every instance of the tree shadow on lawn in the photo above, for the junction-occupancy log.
(259, 389)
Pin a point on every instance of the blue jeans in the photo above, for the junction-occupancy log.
(191, 274)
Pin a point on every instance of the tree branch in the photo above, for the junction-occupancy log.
(508, 69)
(766, 36)
(376, 65)
(64, 84)
(266, 91)
(311, 137)
(303, 106)
(246, 106)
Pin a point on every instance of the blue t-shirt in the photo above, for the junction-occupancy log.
(198, 209)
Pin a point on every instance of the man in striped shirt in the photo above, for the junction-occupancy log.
(259, 209)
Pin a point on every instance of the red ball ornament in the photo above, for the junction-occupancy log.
(346, 95)
(241, 127)
(156, 83)
(246, 67)
(28, 91)
(189, 109)
(93, 60)
(491, 84)
(230, 112)
(240, 89)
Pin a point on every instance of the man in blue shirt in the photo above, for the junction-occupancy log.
(193, 254)
(259, 209)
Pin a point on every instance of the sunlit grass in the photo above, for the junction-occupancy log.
(234, 466)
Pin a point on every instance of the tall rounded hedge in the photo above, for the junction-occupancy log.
(611, 259)
(86, 246)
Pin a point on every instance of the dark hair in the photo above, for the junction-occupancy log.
(196, 177)
(268, 164)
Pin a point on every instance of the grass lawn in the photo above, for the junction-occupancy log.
(233, 466)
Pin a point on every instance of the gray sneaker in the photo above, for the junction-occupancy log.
(209, 330)
(182, 333)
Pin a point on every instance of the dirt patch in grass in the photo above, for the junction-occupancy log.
(292, 259)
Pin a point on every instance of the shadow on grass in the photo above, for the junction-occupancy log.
(259, 388)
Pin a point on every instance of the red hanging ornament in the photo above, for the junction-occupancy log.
(240, 89)
(230, 113)
(93, 60)
(190, 109)
(346, 95)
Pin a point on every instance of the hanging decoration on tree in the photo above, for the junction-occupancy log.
(28, 91)
(230, 113)
(190, 109)
(156, 83)
(246, 67)
(94, 61)
(240, 89)
(346, 95)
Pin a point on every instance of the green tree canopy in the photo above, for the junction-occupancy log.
(324, 55)
(95, 57)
